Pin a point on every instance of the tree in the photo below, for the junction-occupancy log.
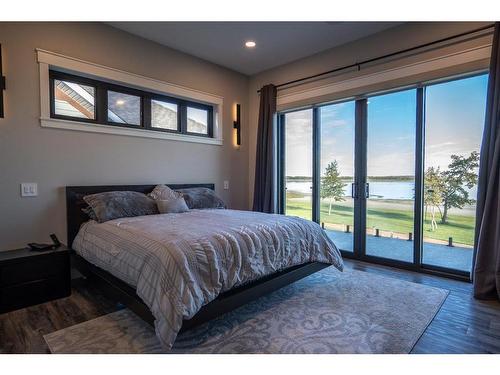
(461, 173)
(332, 186)
(434, 185)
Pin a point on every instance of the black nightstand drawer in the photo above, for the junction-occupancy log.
(44, 267)
(29, 278)
(32, 293)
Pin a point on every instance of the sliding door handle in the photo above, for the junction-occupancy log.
(367, 190)
(354, 190)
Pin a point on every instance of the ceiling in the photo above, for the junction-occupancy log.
(277, 42)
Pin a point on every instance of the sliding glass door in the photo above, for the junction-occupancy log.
(453, 129)
(391, 178)
(337, 123)
(298, 150)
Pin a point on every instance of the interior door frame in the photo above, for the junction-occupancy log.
(360, 179)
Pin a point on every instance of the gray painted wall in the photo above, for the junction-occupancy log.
(55, 158)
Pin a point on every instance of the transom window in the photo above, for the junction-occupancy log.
(164, 115)
(86, 100)
(197, 120)
(124, 108)
(73, 99)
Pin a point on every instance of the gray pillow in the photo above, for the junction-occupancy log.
(172, 206)
(200, 197)
(115, 204)
(90, 213)
(163, 192)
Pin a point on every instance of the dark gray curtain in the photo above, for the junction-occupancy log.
(264, 195)
(486, 275)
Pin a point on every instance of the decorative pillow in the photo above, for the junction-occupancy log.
(200, 197)
(115, 204)
(89, 212)
(164, 193)
(172, 206)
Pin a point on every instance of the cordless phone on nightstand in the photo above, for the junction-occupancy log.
(45, 247)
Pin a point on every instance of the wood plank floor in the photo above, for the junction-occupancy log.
(463, 325)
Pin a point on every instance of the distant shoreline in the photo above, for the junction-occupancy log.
(349, 178)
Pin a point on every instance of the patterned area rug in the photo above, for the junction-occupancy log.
(327, 312)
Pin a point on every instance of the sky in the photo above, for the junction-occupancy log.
(453, 125)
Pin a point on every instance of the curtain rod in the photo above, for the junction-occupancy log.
(358, 64)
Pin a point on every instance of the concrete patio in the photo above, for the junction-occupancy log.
(456, 257)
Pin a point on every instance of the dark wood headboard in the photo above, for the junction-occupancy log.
(74, 201)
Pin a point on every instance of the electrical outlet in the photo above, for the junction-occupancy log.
(29, 189)
(226, 185)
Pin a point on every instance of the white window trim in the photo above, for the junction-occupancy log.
(50, 60)
(453, 59)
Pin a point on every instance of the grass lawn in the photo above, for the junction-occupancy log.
(399, 219)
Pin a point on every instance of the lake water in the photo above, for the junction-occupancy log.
(378, 189)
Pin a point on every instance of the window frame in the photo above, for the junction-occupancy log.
(126, 91)
(166, 99)
(209, 119)
(101, 105)
(72, 79)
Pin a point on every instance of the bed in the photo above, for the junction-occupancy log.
(180, 270)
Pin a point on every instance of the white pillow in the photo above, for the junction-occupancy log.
(172, 206)
(164, 193)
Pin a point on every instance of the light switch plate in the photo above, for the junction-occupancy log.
(29, 189)
(226, 185)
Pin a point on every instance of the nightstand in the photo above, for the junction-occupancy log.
(29, 277)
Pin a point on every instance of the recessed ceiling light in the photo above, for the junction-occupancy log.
(250, 44)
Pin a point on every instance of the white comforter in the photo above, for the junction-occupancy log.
(180, 262)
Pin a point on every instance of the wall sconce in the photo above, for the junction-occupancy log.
(237, 124)
(2, 84)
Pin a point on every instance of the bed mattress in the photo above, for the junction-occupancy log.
(180, 262)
